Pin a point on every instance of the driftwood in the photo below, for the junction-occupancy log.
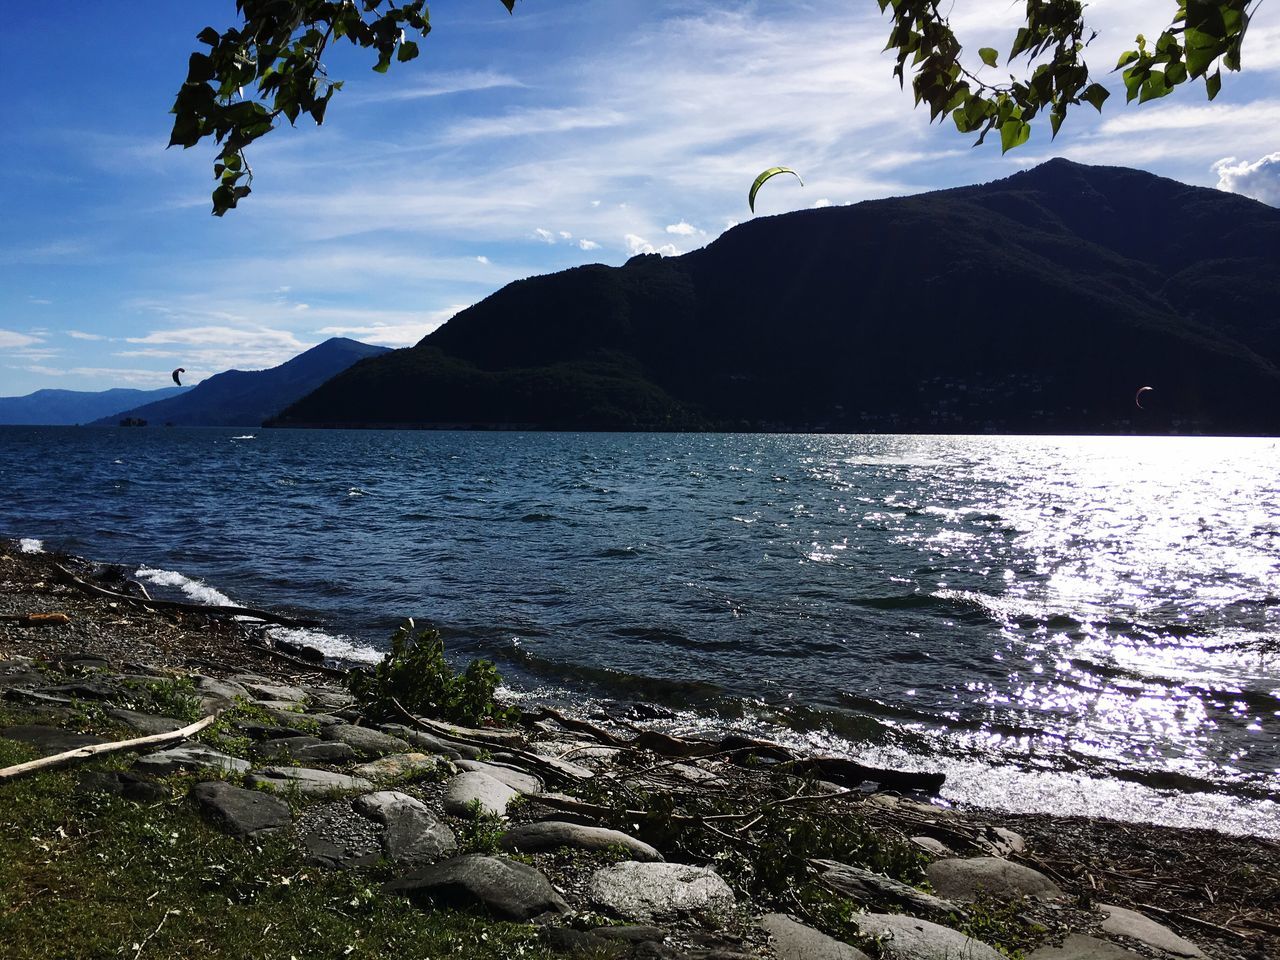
(864, 885)
(35, 619)
(851, 774)
(576, 725)
(211, 610)
(70, 757)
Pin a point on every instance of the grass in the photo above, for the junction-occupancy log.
(88, 876)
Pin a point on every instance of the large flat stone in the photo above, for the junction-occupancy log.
(967, 878)
(189, 756)
(553, 834)
(49, 740)
(795, 941)
(648, 892)
(275, 691)
(413, 836)
(429, 743)
(1129, 923)
(145, 722)
(463, 792)
(1079, 947)
(305, 780)
(397, 765)
(244, 813)
(513, 778)
(510, 890)
(367, 743)
(907, 938)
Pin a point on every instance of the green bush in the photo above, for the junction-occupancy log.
(416, 674)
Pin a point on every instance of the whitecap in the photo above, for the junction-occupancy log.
(247, 436)
(330, 644)
(197, 591)
(31, 545)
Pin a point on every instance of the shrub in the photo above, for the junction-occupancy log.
(416, 674)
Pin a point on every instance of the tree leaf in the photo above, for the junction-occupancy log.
(1095, 94)
(989, 56)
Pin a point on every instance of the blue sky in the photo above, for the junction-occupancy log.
(570, 133)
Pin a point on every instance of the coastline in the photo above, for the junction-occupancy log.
(1222, 892)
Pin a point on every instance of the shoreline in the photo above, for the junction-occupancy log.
(1138, 865)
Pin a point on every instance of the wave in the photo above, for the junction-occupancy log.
(31, 545)
(198, 591)
(333, 645)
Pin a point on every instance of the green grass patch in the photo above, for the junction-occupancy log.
(94, 876)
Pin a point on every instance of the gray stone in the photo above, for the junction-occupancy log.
(368, 744)
(430, 744)
(467, 789)
(553, 834)
(121, 784)
(145, 722)
(269, 731)
(224, 691)
(413, 835)
(86, 690)
(933, 846)
(189, 756)
(275, 691)
(305, 780)
(1079, 947)
(1005, 841)
(244, 813)
(278, 707)
(906, 938)
(308, 749)
(965, 879)
(401, 765)
(49, 740)
(795, 941)
(512, 891)
(659, 891)
(515, 779)
(1129, 923)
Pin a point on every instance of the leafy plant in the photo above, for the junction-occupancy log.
(168, 697)
(482, 831)
(417, 675)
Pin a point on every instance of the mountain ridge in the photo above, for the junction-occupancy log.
(1035, 303)
(57, 408)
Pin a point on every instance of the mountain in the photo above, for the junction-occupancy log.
(1036, 303)
(239, 398)
(64, 407)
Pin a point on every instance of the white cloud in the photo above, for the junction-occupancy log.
(1259, 179)
(546, 236)
(440, 85)
(402, 334)
(636, 245)
(821, 202)
(683, 229)
(538, 122)
(566, 235)
(11, 338)
(588, 245)
(482, 259)
(108, 374)
(40, 300)
(81, 335)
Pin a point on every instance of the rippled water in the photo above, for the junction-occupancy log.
(1073, 624)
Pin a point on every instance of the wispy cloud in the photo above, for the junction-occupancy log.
(81, 335)
(395, 334)
(437, 85)
(11, 338)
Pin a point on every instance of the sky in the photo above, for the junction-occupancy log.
(569, 133)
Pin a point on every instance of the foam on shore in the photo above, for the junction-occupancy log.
(31, 545)
(194, 589)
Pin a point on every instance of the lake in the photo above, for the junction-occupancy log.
(1076, 625)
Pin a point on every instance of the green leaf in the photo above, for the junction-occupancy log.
(1095, 94)
(989, 56)
(408, 50)
(1013, 133)
(511, 5)
(1213, 83)
(1154, 87)
(209, 35)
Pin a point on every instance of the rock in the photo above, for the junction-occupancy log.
(906, 938)
(243, 813)
(145, 722)
(515, 779)
(933, 847)
(510, 890)
(338, 838)
(305, 780)
(368, 744)
(275, 691)
(552, 834)
(86, 690)
(1005, 841)
(211, 689)
(308, 749)
(965, 879)
(413, 834)
(632, 933)
(329, 698)
(49, 740)
(121, 784)
(426, 742)
(795, 941)
(571, 770)
(1129, 923)
(574, 943)
(323, 852)
(278, 707)
(401, 765)
(1079, 947)
(466, 789)
(189, 756)
(659, 891)
(269, 731)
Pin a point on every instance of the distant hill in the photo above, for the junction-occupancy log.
(241, 398)
(1037, 303)
(65, 407)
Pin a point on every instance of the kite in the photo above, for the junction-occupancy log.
(760, 180)
(183, 370)
(1137, 397)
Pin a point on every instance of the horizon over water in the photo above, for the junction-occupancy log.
(1075, 625)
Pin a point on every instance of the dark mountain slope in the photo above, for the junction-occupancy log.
(1036, 303)
(65, 407)
(240, 398)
